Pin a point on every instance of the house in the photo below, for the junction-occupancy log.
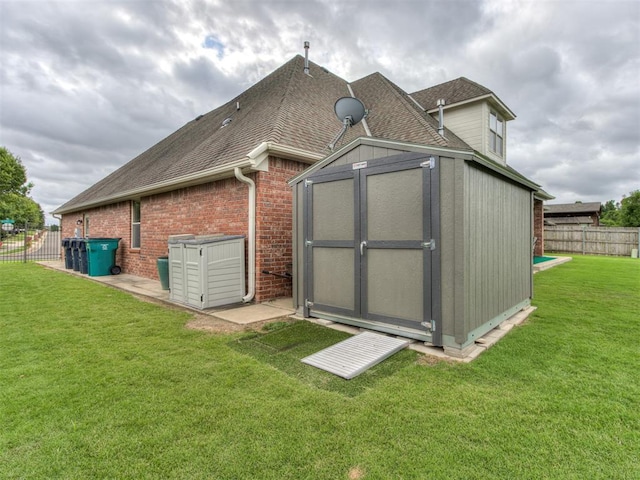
(480, 118)
(226, 172)
(573, 214)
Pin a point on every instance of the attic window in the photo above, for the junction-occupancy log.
(496, 133)
(226, 122)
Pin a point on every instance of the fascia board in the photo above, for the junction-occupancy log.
(501, 106)
(378, 142)
(256, 160)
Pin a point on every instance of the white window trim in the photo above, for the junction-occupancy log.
(497, 135)
(134, 223)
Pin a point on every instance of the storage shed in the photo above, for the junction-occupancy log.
(206, 271)
(425, 242)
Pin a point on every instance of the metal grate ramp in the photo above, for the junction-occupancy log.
(355, 355)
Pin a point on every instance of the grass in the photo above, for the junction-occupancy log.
(284, 346)
(96, 384)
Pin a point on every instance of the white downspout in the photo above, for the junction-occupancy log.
(252, 234)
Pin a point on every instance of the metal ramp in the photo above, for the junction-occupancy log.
(355, 355)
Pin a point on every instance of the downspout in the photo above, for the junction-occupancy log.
(252, 234)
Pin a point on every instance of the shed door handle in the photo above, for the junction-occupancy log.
(362, 247)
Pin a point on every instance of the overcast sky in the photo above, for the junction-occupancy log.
(85, 86)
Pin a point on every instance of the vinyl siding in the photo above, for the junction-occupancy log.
(497, 250)
(466, 122)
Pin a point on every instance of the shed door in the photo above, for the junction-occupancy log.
(368, 234)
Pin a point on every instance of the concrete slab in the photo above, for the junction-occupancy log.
(252, 313)
(538, 267)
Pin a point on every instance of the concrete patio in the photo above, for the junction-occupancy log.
(239, 314)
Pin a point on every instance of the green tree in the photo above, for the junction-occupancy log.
(15, 202)
(610, 214)
(21, 209)
(13, 175)
(630, 210)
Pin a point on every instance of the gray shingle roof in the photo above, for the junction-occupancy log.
(287, 108)
(393, 115)
(572, 208)
(456, 91)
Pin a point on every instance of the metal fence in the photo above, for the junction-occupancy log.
(24, 243)
(618, 241)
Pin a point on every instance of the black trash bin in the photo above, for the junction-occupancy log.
(68, 254)
(75, 254)
(84, 261)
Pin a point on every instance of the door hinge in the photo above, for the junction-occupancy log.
(430, 325)
(431, 163)
(308, 303)
(308, 243)
(307, 182)
(430, 245)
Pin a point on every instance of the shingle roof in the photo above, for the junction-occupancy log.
(455, 91)
(572, 208)
(393, 115)
(287, 108)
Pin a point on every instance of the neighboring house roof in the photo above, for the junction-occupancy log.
(572, 208)
(457, 92)
(288, 113)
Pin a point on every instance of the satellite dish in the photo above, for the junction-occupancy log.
(349, 108)
(349, 111)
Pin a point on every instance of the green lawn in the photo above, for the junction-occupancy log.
(97, 384)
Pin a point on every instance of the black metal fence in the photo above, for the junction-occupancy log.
(25, 243)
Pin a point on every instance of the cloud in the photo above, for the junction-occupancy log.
(87, 86)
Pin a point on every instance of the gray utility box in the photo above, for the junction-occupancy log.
(206, 271)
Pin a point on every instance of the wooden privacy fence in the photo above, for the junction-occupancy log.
(618, 241)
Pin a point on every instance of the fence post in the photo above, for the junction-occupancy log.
(584, 238)
(26, 229)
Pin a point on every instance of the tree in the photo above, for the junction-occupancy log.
(610, 214)
(630, 210)
(15, 202)
(13, 176)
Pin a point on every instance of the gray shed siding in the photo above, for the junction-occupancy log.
(497, 249)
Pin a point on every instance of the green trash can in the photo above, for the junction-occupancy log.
(101, 253)
(163, 272)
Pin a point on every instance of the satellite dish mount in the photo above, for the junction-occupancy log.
(350, 111)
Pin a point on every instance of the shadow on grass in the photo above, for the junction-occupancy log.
(284, 344)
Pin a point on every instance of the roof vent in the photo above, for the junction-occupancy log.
(306, 58)
(349, 111)
(440, 103)
(226, 122)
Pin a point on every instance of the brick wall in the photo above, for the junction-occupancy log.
(538, 227)
(274, 221)
(211, 208)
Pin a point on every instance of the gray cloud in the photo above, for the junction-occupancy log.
(86, 86)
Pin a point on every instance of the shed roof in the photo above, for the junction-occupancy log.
(456, 92)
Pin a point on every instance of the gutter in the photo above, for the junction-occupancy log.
(252, 234)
